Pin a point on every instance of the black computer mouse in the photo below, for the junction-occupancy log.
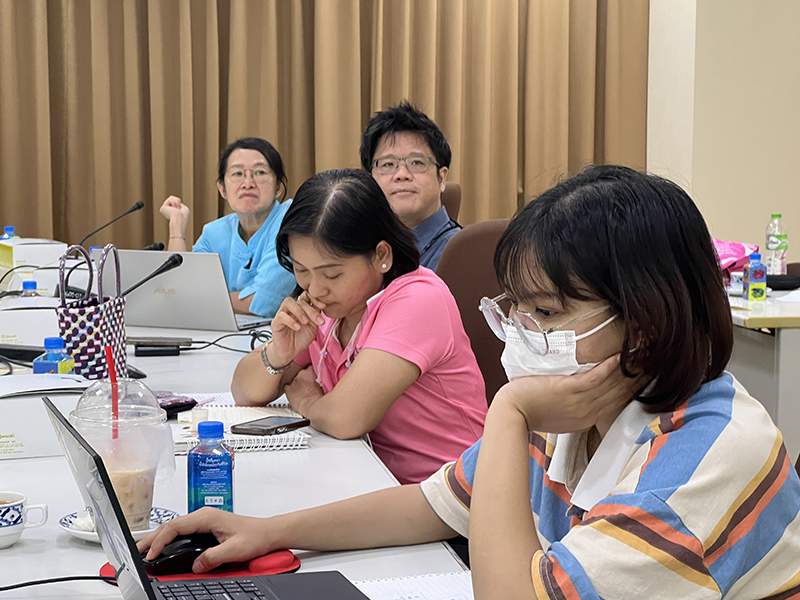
(179, 555)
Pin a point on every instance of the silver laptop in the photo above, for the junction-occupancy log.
(193, 295)
(101, 501)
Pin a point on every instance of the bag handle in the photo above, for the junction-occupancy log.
(82, 253)
(101, 268)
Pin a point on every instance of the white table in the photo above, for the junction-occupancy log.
(267, 483)
(766, 360)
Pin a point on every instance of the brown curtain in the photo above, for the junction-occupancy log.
(104, 103)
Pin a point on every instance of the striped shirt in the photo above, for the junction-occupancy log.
(702, 502)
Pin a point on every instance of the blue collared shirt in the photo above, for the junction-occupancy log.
(251, 268)
(432, 236)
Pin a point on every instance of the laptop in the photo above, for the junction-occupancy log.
(193, 295)
(101, 501)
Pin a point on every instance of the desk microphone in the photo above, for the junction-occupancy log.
(155, 246)
(138, 206)
(175, 260)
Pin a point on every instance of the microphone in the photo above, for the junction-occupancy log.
(138, 206)
(175, 260)
(155, 246)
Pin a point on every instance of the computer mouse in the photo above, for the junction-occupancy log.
(179, 555)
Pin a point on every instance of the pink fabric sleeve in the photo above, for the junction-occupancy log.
(304, 358)
(414, 323)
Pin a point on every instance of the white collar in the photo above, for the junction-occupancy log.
(601, 474)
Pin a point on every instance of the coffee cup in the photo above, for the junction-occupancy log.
(14, 511)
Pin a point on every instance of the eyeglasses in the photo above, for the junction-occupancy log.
(525, 323)
(388, 165)
(259, 174)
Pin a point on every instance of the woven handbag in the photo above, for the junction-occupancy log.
(90, 324)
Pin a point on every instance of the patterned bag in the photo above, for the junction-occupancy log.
(90, 324)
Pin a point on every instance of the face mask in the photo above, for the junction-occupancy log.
(518, 360)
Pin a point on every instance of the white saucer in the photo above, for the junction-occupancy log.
(158, 516)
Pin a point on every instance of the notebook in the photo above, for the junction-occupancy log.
(193, 295)
(101, 501)
(221, 407)
(435, 586)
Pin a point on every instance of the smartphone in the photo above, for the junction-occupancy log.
(270, 425)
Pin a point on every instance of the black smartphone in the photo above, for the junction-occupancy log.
(270, 425)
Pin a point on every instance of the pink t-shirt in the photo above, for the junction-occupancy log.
(442, 413)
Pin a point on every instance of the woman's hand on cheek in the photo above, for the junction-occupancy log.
(567, 403)
(293, 329)
(303, 391)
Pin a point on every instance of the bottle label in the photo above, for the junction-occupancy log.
(777, 242)
(210, 481)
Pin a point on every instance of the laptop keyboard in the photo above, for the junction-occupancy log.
(220, 589)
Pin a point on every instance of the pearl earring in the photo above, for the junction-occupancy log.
(383, 266)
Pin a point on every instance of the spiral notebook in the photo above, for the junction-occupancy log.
(435, 586)
(221, 407)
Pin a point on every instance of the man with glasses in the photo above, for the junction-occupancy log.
(409, 156)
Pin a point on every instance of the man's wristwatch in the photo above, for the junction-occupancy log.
(270, 369)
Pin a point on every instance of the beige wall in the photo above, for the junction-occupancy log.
(745, 126)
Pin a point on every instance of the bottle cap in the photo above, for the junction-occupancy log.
(209, 430)
(53, 343)
(29, 285)
(93, 248)
(8, 229)
(755, 256)
(776, 215)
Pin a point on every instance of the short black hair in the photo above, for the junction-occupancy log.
(267, 150)
(403, 118)
(346, 213)
(638, 242)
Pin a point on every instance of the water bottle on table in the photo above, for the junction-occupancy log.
(8, 233)
(776, 247)
(54, 360)
(210, 469)
(29, 289)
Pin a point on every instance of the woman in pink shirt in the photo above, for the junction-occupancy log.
(374, 343)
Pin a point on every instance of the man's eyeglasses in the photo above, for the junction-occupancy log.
(526, 324)
(388, 165)
(259, 174)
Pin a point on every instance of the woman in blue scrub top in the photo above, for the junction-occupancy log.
(252, 180)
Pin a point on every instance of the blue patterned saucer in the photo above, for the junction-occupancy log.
(158, 516)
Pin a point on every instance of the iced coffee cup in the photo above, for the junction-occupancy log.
(133, 439)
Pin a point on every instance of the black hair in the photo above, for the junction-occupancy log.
(266, 149)
(346, 213)
(638, 242)
(403, 118)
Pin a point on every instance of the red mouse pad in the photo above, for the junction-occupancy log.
(280, 561)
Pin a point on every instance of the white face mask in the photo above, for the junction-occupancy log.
(518, 360)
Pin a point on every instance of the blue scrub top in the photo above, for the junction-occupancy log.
(251, 268)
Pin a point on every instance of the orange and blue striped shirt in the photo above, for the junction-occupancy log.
(704, 503)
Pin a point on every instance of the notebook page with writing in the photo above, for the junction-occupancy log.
(226, 399)
(435, 586)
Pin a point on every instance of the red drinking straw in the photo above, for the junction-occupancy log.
(112, 375)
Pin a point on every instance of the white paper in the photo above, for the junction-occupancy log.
(436, 586)
(790, 297)
(28, 383)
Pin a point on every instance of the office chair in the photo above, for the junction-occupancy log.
(466, 266)
(451, 199)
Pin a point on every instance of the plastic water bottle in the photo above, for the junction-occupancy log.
(54, 359)
(8, 233)
(29, 290)
(210, 469)
(776, 247)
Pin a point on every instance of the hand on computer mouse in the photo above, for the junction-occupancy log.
(179, 555)
(240, 538)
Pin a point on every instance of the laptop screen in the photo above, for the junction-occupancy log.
(101, 501)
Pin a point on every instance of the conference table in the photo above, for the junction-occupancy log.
(267, 483)
(766, 359)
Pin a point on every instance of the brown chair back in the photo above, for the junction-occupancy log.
(791, 268)
(451, 199)
(466, 266)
